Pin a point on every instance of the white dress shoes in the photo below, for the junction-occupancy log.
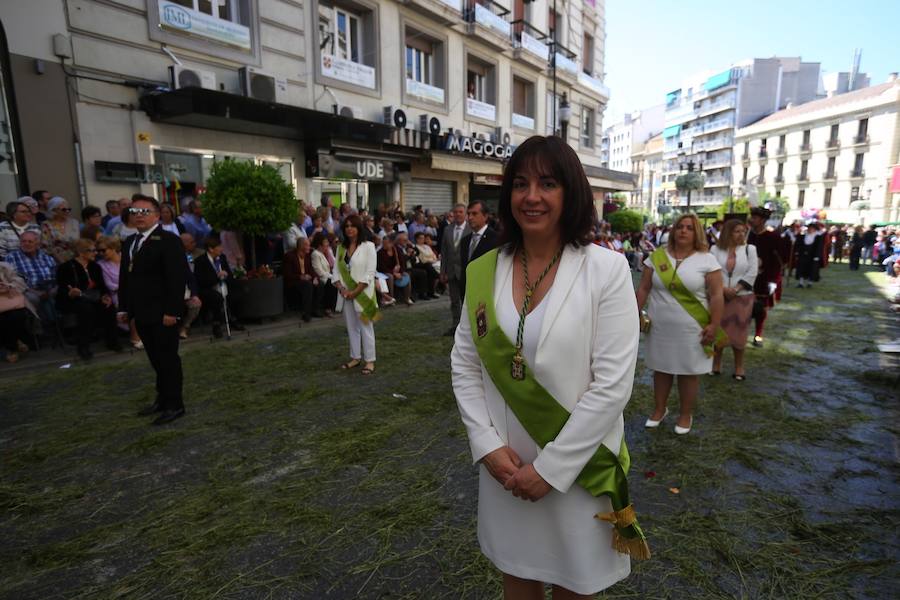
(651, 424)
(684, 430)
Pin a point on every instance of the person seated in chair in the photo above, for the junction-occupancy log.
(38, 269)
(213, 274)
(82, 292)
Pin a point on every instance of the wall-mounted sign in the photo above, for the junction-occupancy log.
(478, 147)
(424, 91)
(481, 110)
(177, 18)
(121, 172)
(536, 47)
(347, 70)
(485, 17)
(341, 167)
(564, 63)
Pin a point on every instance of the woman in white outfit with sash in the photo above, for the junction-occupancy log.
(543, 365)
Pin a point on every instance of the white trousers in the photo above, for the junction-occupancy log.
(360, 334)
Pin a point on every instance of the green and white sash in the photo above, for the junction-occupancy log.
(370, 312)
(541, 415)
(688, 301)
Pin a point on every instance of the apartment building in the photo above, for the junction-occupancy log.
(620, 139)
(703, 114)
(831, 159)
(647, 167)
(417, 101)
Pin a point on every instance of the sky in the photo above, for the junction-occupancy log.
(652, 45)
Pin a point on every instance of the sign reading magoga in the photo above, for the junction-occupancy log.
(175, 17)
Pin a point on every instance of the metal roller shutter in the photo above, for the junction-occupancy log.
(433, 195)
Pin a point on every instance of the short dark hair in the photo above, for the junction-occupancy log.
(11, 208)
(362, 234)
(89, 211)
(38, 194)
(550, 156)
(212, 241)
(318, 239)
(147, 199)
(111, 203)
(481, 204)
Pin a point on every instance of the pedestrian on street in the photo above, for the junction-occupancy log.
(769, 249)
(354, 277)
(808, 249)
(451, 262)
(481, 239)
(856, 247)
(682, 286)
(739, 265)
(152, 279)
(544, 414)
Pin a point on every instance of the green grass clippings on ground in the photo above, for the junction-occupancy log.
(292, 479)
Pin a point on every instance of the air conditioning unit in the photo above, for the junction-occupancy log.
(183, 77)
(501, 136)
(395, 117)
(429, 124)
(349, 112)
(262, 86)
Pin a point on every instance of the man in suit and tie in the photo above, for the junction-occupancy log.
(151, 291)
(451, 273)
(481, 240)
(213, 275)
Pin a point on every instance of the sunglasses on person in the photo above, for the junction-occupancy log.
(140, 211)
(66, 209)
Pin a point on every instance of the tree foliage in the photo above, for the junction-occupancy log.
(625, 221)
(732, 205)
(689, 181)
(249, 198)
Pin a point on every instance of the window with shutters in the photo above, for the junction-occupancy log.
(587, 127)
(348, 44)
(523, 103)
(424, 66)
(481, 88)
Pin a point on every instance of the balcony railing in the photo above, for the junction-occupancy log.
(779, 179)
(481, 110)
(760, 178)
(781, 151)
(834, 143)
(829, 175)
(860, 139)
(802, 177)
(763, 153)
(805, 148)
(857, 173)
(490, 16)
(715, 107)
(531, 39)
(745, 157)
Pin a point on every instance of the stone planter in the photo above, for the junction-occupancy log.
(258, 298)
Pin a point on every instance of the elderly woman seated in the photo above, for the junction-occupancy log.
(83, 293)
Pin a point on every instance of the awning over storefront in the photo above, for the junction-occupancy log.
(609, 180)
(209, 109)
(671, 131)
(717, 81)
(449, 162)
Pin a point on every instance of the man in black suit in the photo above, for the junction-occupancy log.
(151, 291)
(480, 241)
(451, 268)
(213, 276)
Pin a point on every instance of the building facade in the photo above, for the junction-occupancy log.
(647, 168)
(621, 139)
(364, 101)
(831, 159)
(703, 114)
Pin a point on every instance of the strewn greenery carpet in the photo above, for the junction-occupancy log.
(291, 479)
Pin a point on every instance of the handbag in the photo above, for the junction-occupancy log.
(645, 322)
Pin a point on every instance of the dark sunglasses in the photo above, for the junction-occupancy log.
(65, 209)
(140, 211)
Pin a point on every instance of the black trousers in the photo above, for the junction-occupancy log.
(423, 278)
(306, 296)
(13, 328)
(90, 316)
(327, 296)
(214, 304)
(161, 345)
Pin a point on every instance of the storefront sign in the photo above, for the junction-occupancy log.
(349, 71)
(340, 167)
(482, 110)
(485, 17)
(175, 17)
(424, 91)
(536, 47)
(478, 147)
(564, 63)
(522, 121)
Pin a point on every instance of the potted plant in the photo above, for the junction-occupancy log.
(253, 200)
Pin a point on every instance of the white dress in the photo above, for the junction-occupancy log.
(556, 539)
(673, 344)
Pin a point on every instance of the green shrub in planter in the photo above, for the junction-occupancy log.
(249, 198)
(625, 221)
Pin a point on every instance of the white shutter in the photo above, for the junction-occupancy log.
(434, 195)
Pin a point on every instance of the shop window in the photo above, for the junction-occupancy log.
(523, 103)
(235, 37)
(423, 63)
(587, 127)
(347, 42)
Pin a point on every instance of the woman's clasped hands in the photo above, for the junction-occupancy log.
(523, 481)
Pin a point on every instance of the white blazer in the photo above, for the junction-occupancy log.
(320, 266)
(363, 264)
(586, 355)
(746, 264)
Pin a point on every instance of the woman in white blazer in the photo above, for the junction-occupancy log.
(579, 340)
(358, 255)
(739, 266)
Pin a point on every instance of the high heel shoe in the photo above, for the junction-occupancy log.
(651, 424)
(684, 430)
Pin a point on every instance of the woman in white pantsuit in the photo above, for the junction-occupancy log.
(570, 307)
(358, 255)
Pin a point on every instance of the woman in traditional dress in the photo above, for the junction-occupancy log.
(739, 264)
(543, 365)
(808, 251)
(683, 283)
(354, 277)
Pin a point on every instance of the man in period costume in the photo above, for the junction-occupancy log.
(768, 280)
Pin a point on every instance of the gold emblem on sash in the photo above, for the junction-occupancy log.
(481, 320)
(517, 368)
(663, 267)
